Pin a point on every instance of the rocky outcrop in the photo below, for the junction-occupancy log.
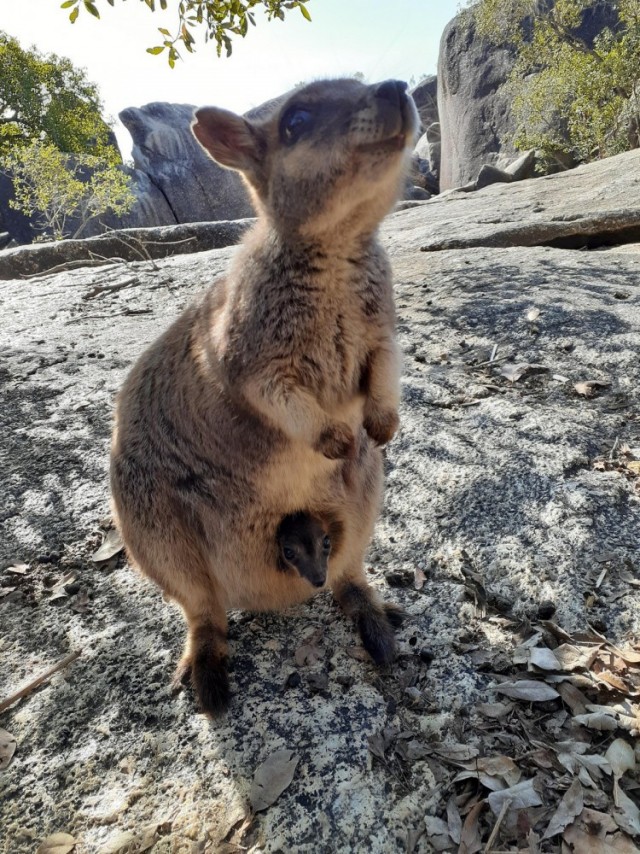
(425, 97)
(509, 494)
(473, 104)
(597, 204)
(132, 244)
(474, 109)
(194, 188)
(172, 179)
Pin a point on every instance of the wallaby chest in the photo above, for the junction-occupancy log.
(314, 319)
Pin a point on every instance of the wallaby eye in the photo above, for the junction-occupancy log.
(295, 122)
(326, 543)
(288, 553)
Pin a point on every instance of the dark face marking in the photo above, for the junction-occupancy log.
(304, 545)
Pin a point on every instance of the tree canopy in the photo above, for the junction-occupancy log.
(61, 193)
(220, 20)
(572, 95)
(47, 99)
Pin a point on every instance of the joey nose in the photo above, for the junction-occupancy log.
(392, 91)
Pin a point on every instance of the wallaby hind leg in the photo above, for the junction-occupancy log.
(375, 620)
(204, 660)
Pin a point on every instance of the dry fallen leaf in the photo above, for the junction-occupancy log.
(495, 710)
(543, 658)
(626, 814)
(135, 842)
(590, 387)
(272, 778)
(597, 720)
(533, 314)
(596, 833)
(513, 372)
(492, 771)
(57, 843)
(573, 697)
(309, 653)
(7, 748)
(419, 578)
(571, 806)
(454, 820)
(359, 653)
(18, 568)
(575, 657)
(111, 545)
(456, 752)
(437, 833)
(521, 796)
(528, 690)
(620, 755)
(470, 841)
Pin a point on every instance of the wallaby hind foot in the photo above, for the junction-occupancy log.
(375, 621)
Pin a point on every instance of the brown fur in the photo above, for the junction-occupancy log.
(275, 391)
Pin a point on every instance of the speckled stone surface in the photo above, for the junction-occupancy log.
(497, 476)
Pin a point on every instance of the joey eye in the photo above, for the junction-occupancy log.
(288, 553)
(326, 543)
(295, 123)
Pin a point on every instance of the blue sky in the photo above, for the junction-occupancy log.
(380, 38)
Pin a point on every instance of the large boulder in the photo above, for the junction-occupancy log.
(194, 188)
(474, 109)
(473, 104)
(425, 97)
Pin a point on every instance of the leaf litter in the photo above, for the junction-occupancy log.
(565, 713)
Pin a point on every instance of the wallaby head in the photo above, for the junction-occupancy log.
(327, 158)
(304, 545)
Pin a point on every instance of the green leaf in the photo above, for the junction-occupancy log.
(305, 12)
(155, 50)
(90, 7)
(68, 3)
(74, 14)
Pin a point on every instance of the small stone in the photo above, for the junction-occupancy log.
(318, 682)
(402, 578)
(72, 588)
(345, 680)
(426, 656)
(546, 610)
(293, 680)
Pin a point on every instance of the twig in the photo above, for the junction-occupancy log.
(493, 361)
(100, 289)
(615, 446)
(505, 806)
(492, 357)
(31, 686)
(73, 265)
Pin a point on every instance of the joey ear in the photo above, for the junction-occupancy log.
(228, 138)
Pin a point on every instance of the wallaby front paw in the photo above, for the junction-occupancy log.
(381, 424)
(337, 442)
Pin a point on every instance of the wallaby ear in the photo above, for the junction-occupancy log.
(228, 138)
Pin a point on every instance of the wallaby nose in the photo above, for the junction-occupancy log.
(391, 90)
(318, 582)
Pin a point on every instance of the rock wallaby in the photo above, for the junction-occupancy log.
(272, 395)
(304, 545)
